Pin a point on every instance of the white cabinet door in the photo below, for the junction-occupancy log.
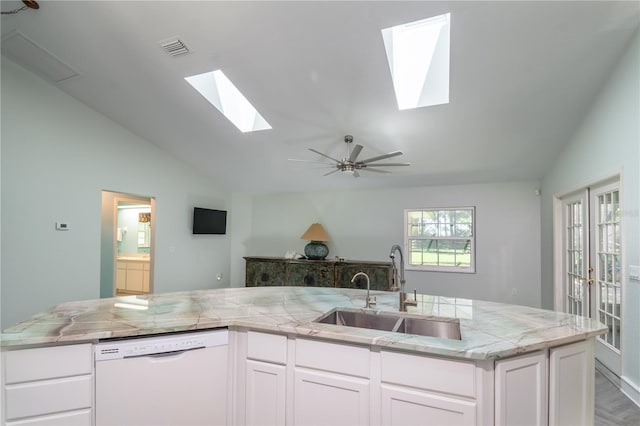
(145, 278)
(405, 406)
(121, 275)
(265, 393)
(571, 384)
(135, 276)
(521, 390)
(323, 398)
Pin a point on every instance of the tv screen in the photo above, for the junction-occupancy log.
(208, 221)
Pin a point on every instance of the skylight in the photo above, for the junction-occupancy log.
(418, 55)
(221, 93)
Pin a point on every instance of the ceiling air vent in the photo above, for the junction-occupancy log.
(175, 47)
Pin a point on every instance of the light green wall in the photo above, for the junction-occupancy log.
(363, 225)
(57, 157)
(606, 144)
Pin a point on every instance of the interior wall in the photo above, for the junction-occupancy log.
(363, 225)
(57, 157)
(606, 144)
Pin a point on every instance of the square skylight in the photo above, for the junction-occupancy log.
(418, 55)
(221, 93)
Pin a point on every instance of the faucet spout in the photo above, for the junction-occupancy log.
(369, 301)
(404, 302)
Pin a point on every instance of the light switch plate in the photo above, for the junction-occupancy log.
(634, 272)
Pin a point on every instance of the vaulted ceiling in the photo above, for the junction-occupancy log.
(522, 77)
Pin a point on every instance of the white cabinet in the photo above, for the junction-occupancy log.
(406, 406)
(323, 398)
(571, 384)
(521, 390)
(121, 275)
(48, 386)
(145, 277)
(265, 393)
(265, 378)
(332, 385)
(433, 391)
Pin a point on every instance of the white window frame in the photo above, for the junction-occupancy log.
(465, 270)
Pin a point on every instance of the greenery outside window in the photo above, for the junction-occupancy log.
(440, 239)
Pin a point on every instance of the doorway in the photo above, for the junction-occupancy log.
(590, 278)
(127, 244)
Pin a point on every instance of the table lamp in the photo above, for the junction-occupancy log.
(316, 249)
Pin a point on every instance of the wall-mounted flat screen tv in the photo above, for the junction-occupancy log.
(208, 221)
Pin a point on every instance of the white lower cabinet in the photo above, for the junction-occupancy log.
(265, 379)
(406, 406)
(331, 384)
(323, 398)
(48, 386)
(431, 391)
(571, 384)
(265, 393)
(521, 390)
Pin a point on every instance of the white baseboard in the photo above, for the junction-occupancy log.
(631, 390)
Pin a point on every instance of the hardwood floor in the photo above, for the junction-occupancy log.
(613, 408)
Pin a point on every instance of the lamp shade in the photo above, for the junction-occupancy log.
(315, 233)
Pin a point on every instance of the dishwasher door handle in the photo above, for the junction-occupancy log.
(166, 355)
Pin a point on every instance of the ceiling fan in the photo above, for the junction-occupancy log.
(350, 163)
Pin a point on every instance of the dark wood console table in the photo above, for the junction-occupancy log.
(276, 271)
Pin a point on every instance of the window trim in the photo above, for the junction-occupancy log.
(430, 268)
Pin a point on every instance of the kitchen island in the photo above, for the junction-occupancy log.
(506, 356)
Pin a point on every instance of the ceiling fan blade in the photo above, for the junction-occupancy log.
(355, 153)
(375, 170)
(310, 161)
(386, 164)
(324, 155)
(331, 172)
(381, 157)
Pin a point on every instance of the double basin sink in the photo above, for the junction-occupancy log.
(444, 328)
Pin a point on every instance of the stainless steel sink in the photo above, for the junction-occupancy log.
(444, 328)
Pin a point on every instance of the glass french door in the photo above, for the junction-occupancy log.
(592, 273)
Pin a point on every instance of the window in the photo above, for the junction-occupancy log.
(440, 239)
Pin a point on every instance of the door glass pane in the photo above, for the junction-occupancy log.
(608, 266)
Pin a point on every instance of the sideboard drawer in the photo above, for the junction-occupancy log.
(265, 274)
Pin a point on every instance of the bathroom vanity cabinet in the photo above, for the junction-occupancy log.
(132, 276)
(275, 271)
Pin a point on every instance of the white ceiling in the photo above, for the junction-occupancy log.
(523, 75)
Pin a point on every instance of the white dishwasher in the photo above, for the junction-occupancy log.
(177, 379)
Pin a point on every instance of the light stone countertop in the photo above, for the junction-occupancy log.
(489, 330)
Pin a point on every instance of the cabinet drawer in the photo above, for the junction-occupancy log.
(337, 358)
(379, 276)
(47, 363)
(49, 396)
(135, 266)
(440, 375)
(267, 347)
(310, 274)
(265, 274)
(72, 418)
